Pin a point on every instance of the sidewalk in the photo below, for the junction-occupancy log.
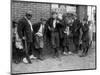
(71, 62)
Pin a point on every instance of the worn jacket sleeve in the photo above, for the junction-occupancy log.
(19, 29)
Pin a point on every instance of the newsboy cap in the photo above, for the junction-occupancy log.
(29, 13)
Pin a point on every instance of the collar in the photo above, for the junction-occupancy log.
(26, 18)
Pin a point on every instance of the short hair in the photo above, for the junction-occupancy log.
(53, 13)
(43, 19)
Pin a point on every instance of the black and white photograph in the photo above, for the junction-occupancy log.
(52, 37)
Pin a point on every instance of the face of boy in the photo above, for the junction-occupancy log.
(59, 16)
(29, 17)
(68, 20)
(44, 22)
(55, 16)
(84, 22)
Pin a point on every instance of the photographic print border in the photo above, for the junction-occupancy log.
(51, 71)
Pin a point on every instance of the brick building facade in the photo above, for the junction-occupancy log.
(40, 10)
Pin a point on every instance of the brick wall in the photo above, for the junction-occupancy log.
(39, 10)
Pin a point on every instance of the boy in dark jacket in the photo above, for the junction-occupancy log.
(76, 33)
(53, 27)
(85, 38)
(68, 44)
(39, 36)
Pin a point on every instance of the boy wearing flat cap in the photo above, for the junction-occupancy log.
(85, 37)
(25, 31)
(39, 36)
(54, 32)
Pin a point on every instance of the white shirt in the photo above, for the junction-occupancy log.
(29, 23)
(67, 31)
(18, 42)
(40, 31)
(54, 23)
